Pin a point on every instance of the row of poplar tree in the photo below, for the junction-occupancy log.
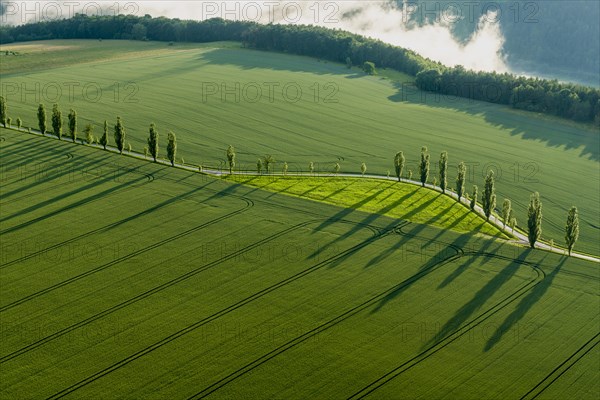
(488, 200)
(119, 132)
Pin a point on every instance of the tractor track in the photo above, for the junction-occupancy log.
(102, 267)
(160, 288)
(563, 367)
(123, 188)
(434, 348)
(323, 327)
(379, 234)
(149, 177)
(97, 231)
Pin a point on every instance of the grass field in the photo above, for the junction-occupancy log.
(341, 116)
(124, 278)
(395, 200)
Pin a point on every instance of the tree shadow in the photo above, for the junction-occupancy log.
(19, 146)
(422, 207)
(271, 60)
(171, 200)
(445, 254)
(29, 150)
(342, 215)
(524, 306)
(463, 267)
(563, 132)
(63, 196)
(340, 190)
(479, 298)
(41, 157)
(50, 175)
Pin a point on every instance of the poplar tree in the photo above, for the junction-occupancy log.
(153, 141)
(534, 219)
(424, 166)
(120, 135)
(171, 147)
(399, 161)
(460, 180)
(572, 228)
(489, 196)
(443, 164)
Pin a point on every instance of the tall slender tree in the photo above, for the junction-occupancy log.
(259, 166)
(120, 135)
(41, 114)
(460, 180)
(534, 219)
(506, 211)
(153, 141)
(363, 168)
(336, 168)
(311, 167)
(399, 161)
(104, 138)
(171, 147)
(73, 124)
(443, 171)
(268, 161)
(572, 228)
(489, 195)
(285, 168)
(3, 111)
(424, 166)
(57, 121)
(89, 133)
(231, 158)
(474, 197)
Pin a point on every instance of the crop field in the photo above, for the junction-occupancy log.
(301, 109)
(125, 278)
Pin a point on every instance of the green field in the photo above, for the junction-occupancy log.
(129, 279)
(402, 201)
(342, 116)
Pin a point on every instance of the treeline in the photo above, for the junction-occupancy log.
(127, 27)
(334, 45)
(576, 102)
(565, 100)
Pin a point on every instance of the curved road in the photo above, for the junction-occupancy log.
(521, 237)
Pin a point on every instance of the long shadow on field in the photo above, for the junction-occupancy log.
(527, 128)
(230, 189)
(72, 205)
(171, 200)
(524, 306)
(271, 60)
(30, 153)
(411, 243)
(408, 238)
(48, 175)
(479, 299)
(340, 190)
(346, 211)
(42, 157)
(27, 142)
(423, 206)
(463, 267)
(341, 215)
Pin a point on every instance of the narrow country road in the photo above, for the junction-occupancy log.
(521, 237)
